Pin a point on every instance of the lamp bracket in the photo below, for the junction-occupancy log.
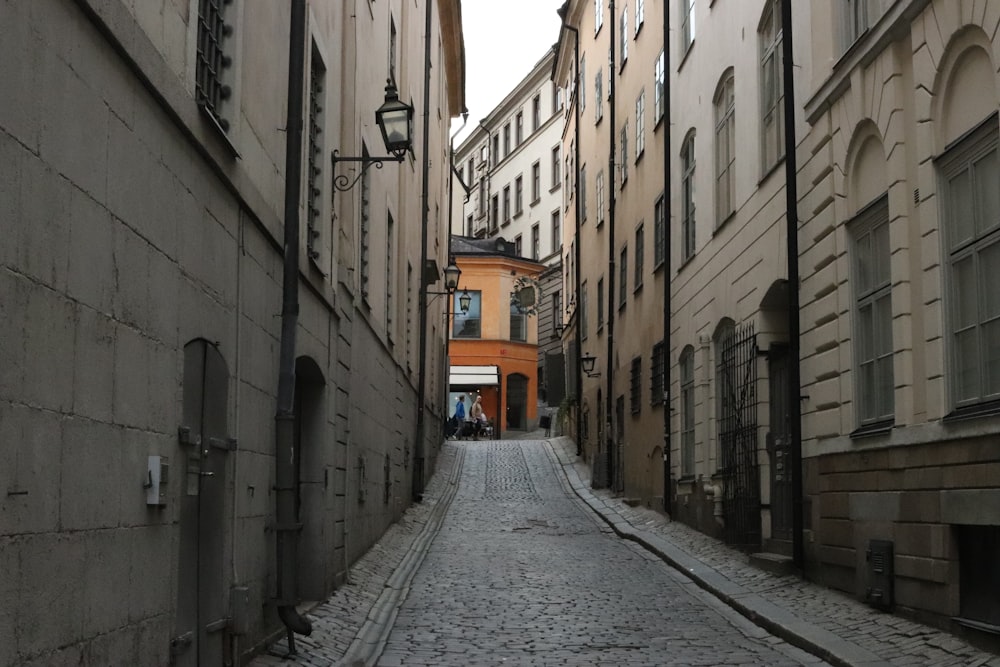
(343, 182)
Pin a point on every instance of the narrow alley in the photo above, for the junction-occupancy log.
(508, 563)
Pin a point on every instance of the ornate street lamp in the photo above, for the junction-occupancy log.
(587, 363)
(395, 120)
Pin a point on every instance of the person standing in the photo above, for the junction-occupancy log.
(460, 416)
(476, 414)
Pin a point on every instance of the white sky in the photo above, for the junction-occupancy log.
(503, 41)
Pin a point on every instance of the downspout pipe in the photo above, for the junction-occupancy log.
(419, 455)
(284, 447)
(668, 491)
(578, 335)
(792, 233)
(447, 317)
(609, 400)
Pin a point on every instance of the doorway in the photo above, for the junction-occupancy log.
(779, 446)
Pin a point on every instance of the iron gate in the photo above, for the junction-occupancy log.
(737, 368)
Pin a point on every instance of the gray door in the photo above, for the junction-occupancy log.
(201, 604)
(517, 401)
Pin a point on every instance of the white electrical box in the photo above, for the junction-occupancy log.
(156, 481)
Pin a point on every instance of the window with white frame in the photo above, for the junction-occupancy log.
(640, 124)
(640, 14)
(536, 181)
(772, 132)
(725, 150)
(556, 230)
(583, 194)
(536, 242)
(687, 25)
(873, 364)
(600, 303)
(969, 173)
(506, 204)
(623, 36)
(855, 20)
(583, 83)
(519, 128)
(555, 167)
(659, 232)
(518, 246)
(623, 277)
(598, 96)
(518, 195)
(624, 155)
(506, 140)
(687, 411)
(536, 113)
(598, 15)
(687, 198)
(599, 187)
(659, 77)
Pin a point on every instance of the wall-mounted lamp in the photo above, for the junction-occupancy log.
(395, 120)
(465, 301)
(587, 364)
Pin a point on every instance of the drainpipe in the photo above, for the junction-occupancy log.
(668, 492)
(792, 233)
(284, 449)
(450, 299)
(419, 456)
(609, 400)
(578, 337)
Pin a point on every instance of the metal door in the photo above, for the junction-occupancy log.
(517, 401)
(201, 617)
(779, 445)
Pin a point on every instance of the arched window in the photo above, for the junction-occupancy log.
(687, 198)
(725, 149)
(772, 92)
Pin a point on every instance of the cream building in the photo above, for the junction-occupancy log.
(144, 178)
(513, 166)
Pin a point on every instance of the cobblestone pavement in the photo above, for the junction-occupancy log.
(537, 574)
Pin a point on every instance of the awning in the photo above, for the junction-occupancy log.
(473, 375)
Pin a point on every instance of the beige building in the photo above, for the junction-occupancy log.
(513, 166)
(896, 133)
(145, 155)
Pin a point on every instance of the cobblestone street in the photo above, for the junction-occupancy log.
(522, 574)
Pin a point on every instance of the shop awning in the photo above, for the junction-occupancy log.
(478, 376)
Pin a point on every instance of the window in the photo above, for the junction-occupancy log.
(599, 186)
(518, 195)
(536, 181)
(390, 233)
(640, 14)
(873, 315)
(469, 324)
(624, 158)
(468, 225)
(600, 304)
(640, 124)
(725, 151)
(970, 209)
(656, 375)
(659, 99)
(582, 86)
(583, 194)
(213, 58)
(555, 167)
(598, 15)
(623, 278)
(687, 25)
(659, 232)
(598, 96)
(518, 324)
(635, 386)
(495, 157)
(536, 112)
(536, 242)
(494, 211)
(506, 204)
(482, 197)
(519, 128)
(772, 124)
(583, 310)
(856, 19)
(623, 35)
(518, 246)
(687, 199)
(556, 312)
(314, 182)
(687, 411)
(556, 232)
(506, 140)
(557, 101)
(364, 246)
(640, 243)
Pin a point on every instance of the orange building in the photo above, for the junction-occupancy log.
(493, 346)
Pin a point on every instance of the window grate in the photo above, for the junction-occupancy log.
(211, 90)
(314, 192)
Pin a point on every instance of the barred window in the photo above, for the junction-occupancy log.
(212, 60)
(659, 232)
(656, 367)
(635, 386)
(640, 248)
(314, 191)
